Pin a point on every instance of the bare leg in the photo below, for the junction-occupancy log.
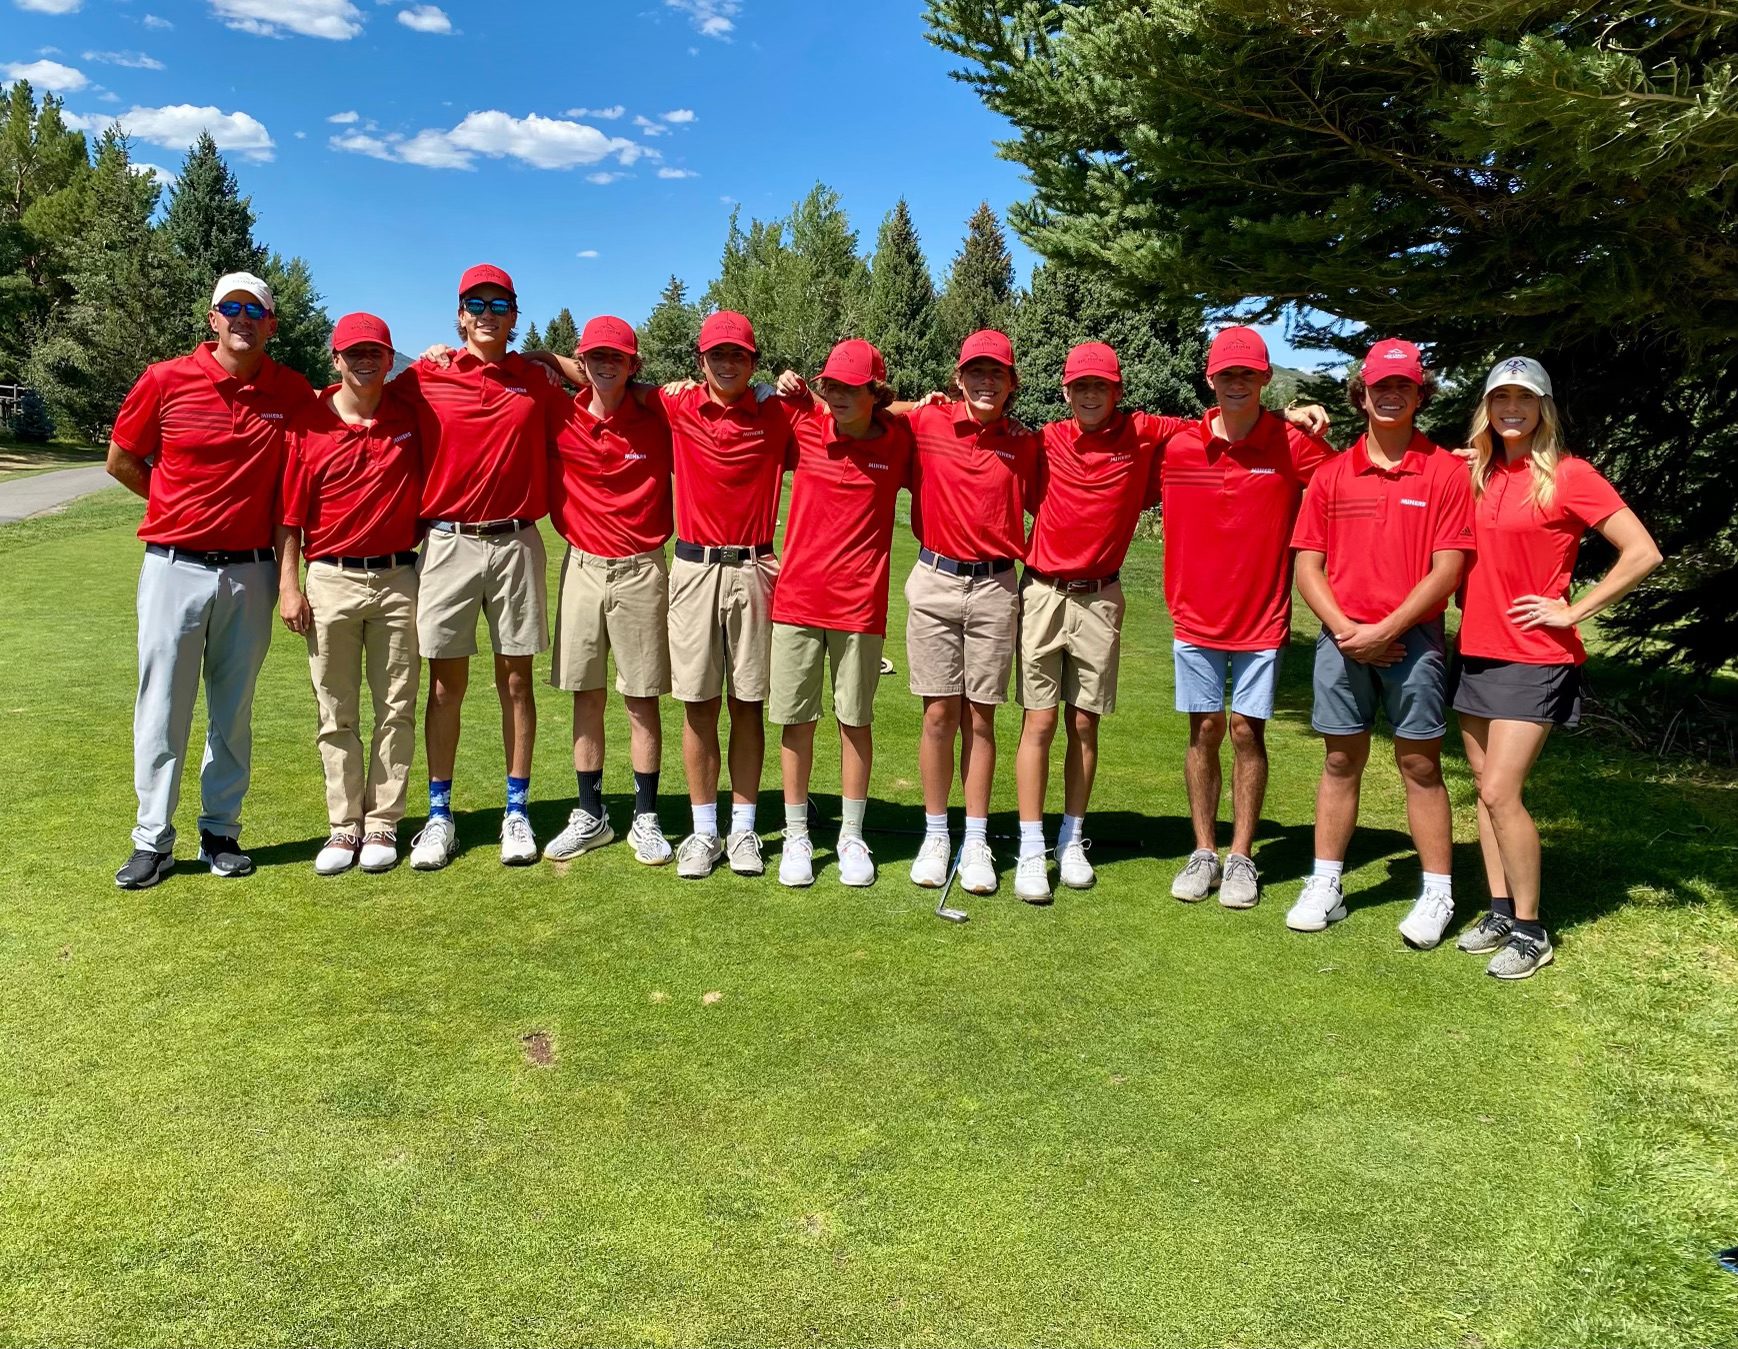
(1202, 773)
(1427, 810)
(1337, 794)
(1248, 780)
(700, 757)
(645, 734)
(518, 712)
(1510, 753)
(588, 730)
(747, 751)
(1080, 761)
(797, 760)
(935, 750)
(978, 757)
(856, 756)
(1032, 761)
(1473, 733)
(447, 680)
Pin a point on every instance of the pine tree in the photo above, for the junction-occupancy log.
(533, 340)
(669, 336)
(43, 172)
(750, 274)
(979, 292)
(562, 334)
(823, 295)
(209, 226)
(304, 337)
(901, 315)
(32, 425)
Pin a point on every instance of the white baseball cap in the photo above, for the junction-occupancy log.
(245, 281)
(1522, 371)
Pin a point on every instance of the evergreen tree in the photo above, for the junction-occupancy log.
(979, 292)
(669, 336)
(750, 274)
(533, 340)
(43, 171)
(33, 425)
(823, 293)
(209, 226)
(562, 334)
(901, 319)
(304, 337)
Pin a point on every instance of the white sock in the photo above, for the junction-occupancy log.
(1439, 881)
(1073, 828)
(1031, 838)
(796, 819)
(706, 819)
(1329, 869)
(978, 829)
(741, 817)
(935, 826)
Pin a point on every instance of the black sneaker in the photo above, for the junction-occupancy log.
(224, 855)
(144, 869)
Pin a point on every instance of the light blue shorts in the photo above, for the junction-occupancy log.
(1201, 674)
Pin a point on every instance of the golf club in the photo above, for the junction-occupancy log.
(942, 910)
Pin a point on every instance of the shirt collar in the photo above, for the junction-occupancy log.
(205, 357)
(1412, 461)
(1217, 441)
(962, 418)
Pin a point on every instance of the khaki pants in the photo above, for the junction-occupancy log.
(497, 575)
(721, 625)
(1070, 646)
(799, 659)
(616, 606)
(960, 633)
(358, 615)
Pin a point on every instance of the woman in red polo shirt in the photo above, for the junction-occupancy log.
(1519, 668)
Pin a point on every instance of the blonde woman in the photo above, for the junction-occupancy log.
(1519, 668)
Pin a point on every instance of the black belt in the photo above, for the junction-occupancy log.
(730, 557)
(211, 557)
(1075, 585)
(375, 562)
(994, 567)
(484, 530)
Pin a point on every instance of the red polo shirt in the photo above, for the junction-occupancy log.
(486, 434)
(354, 490)
(1229, 510)
(1526, 550)
(1092, 488)
(609, 480)
(219, 447)
(839, 538)
(730, 463)
(1378, 528)
(972, 484)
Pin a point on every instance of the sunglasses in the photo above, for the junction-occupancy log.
(230, 308)
(476, 306)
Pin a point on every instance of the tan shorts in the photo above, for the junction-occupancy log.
(960, 634)
(1070, 645)
(721, 628)
(798, 658)
(501, 574)
(616, 606)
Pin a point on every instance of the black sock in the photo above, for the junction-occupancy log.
(1503, 906)
(646, 792)
(591, 793)
(1532, 927)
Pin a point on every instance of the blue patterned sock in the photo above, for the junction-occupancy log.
(518, 795)
(440, 799)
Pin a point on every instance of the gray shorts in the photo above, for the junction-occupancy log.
(1413, 693)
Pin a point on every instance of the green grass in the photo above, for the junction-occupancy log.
(288, 1111)
(19, 459)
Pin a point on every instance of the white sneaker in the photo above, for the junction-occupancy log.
(1318, 905)
(434, 847)
(1200, 875)
(796, 861)
(1031, 879)
(518, 844)
(697, 856)
(647, 836)
(379, 850)
(584, 832)
(1072, 867)
(338, 855)
(977, 867)
(856, 864)
(743, 849)
(1424, 926)
(929, 867)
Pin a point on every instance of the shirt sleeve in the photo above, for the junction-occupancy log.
(1310, 534)
(138, 425)
(1157, 430)
(1584, 493)
(1454, 521)
(294, 491)
(1308, 453)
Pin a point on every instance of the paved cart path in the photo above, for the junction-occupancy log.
(22, 498)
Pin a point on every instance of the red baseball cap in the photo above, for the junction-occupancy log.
(1391, 357)
(855, 362)
(1237, 348)
(1092, 358)
(986, 344)
(353, 329)
(486, 274)
(727, 328)
(608, 333)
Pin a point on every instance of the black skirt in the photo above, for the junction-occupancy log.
(1507, 690)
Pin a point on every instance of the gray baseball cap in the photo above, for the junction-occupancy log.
(1519, 370)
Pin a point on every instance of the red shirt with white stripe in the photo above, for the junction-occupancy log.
(730, 464)
(219, 448)
(972, 483)
(609, 479)
(1378, 528)
(354, 490)
(1092, 488)
(1524, 549)
(838, 542)
(1229, 511)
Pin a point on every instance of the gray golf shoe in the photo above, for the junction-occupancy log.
(1200, 875)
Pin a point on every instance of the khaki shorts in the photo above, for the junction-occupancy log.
(501, 575)
(721, 628)
(1070, 645)
(960, 634)
(798, 658)
(616, 606)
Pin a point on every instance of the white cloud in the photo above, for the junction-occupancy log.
(47, 75)
(668, 172)
(650, 128)
(131, 60)
(541, 142)
(301, 135)
(336, 19)
(605, 114)
(603, 178)
(178, 126)
(679, 116)
(586, 253)
(426, 19)
(344, 118)
(165, 177)
(108, 96)
(711, 18)
(50, 6)
(153, 21)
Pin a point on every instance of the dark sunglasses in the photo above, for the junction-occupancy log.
(230, 308)
(476, 306)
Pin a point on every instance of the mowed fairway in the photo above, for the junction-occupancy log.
(289, 1110)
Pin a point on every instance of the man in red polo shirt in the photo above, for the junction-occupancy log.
(352, 488)
(609, 494)
(201, 438)
(488, 419)
(1232, 486)
(1383, 537)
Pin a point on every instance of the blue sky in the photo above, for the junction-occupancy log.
(590, 148)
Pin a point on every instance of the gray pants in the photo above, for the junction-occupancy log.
(194, 618)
